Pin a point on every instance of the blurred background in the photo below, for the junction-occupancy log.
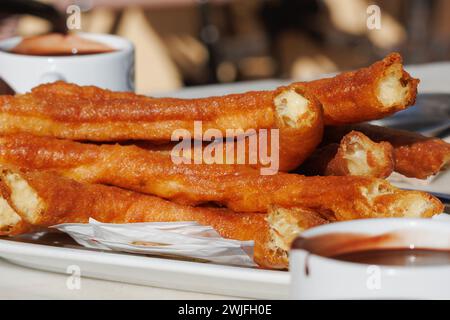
(197, 42)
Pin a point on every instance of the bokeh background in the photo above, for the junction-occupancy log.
(197, 42)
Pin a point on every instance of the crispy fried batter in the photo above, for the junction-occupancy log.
(239, 188)
(415, 155)
(245, 150)
(44, 199)
(89, 113)
(365, 94)
(69, 111)
(356, 155)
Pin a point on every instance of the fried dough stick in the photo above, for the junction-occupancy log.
(356, 155)
(239, 188)
(416, 156)
(243, 150)
(69, 111)
(44, 199)
(365, 94)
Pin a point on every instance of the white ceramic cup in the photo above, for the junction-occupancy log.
(112, 70)
(327, 278)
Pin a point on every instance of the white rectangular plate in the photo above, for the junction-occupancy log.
(150, 271)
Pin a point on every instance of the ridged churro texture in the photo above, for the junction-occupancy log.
(237, 187)
(89, 113)
(44, 199)
(294, 146)
(365, 94)
(355, 155)
(75, 112)
(416, 156)
(69, 111)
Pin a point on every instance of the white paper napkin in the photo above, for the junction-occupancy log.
(179, 239)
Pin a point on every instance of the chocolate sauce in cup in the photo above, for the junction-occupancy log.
(398, 257)
(372, 259)
(360, 248)
(102, 60)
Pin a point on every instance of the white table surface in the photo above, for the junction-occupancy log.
(17, 282)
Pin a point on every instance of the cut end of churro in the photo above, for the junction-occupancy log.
(387, 201)
(285, 224)
(8, 217)
(391, 90)
(365, 157)
(23, 197)
(292, 108)
(396, 89)
(415, 204)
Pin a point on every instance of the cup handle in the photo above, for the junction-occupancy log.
(51, 77)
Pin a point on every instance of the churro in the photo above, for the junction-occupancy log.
(239, 188)
(416, 156)
(355, 155)
(365, 94)
(44, 199)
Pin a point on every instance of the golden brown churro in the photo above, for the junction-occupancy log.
(69, 111)
(237, 187)
(415, 155)
(44, 199)
(356, 155)
(91, 113)
(365, 94)
(256, 150)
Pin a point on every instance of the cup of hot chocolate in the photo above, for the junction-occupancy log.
(372, 259)
(102, 60)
